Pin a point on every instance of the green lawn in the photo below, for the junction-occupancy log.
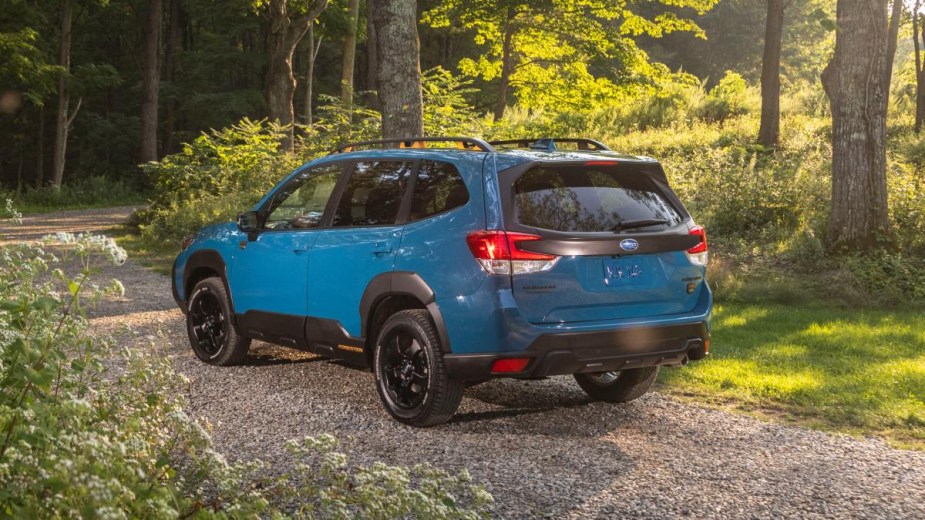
(857, 371)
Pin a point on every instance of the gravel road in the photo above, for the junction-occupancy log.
(540, 447)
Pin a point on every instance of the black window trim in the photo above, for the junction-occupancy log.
(507, 178)
(411, 191)
(346, 167)
(327, 221)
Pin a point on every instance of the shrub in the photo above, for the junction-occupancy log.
(90, 430)
(213, 178)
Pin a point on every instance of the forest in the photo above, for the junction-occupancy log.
(790, 129)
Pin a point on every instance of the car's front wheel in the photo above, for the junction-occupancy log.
(410, 374)
(617, 387)
(208, 323)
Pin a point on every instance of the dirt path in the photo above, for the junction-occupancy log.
(541, 447)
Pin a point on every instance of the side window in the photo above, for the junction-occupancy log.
(300, 203)
(439, 187)
(373, 193)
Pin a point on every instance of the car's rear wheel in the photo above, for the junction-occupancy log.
(208, 323)
(617, 387)
(410, 374)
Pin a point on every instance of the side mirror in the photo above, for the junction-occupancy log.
(248, 221)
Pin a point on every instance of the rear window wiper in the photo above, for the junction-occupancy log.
(633, 224)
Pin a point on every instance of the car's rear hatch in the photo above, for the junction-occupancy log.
(620, 235)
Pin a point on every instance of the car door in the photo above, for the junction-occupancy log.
(362, 242)
(269, 274)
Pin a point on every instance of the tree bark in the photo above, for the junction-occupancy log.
(172, 48)
(507, 67)
(855, 82)
(769, 131)
(372, 57)
(313, 48)
(350, 49)
(40, 150)
(399, 68)
(61, 117)
(151, 80)
(283, 35)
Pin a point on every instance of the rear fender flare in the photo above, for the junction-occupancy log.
(402, 283)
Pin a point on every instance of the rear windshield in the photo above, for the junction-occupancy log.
(590, 199)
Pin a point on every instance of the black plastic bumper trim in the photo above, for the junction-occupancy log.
(602, 351)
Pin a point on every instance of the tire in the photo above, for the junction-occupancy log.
(410, 374)
(208, 324)
(618, 387)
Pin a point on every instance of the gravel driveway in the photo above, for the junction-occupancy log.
(540, 447)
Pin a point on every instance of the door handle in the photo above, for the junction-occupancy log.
(382, 249)
(299, 251)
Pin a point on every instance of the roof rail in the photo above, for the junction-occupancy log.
(463, 143)
(549, 143)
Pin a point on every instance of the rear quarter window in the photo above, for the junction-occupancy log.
(589, 199)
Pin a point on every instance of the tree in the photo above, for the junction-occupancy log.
(350, 49)
(769, 131)
(311, 55)
(63, 119)
(288, 22)
(399, 67)
(150, 84)
(542, 49)
(918, 40)
(171, 50)
(857, 82)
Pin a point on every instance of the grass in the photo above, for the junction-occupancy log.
(28, 208)
(854, 371)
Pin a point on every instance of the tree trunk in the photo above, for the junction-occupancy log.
(918, 40)
(150, 83)
(399, 68)
(61, 117)
(313, 48)
(507, 67)
(769, 132)
(858, 94)
(350, 49)
(283, 35)
(173, 46)
(372, 57)
(892, 39)
(40, 150)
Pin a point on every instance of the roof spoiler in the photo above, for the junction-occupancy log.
(461, 143)
(549, 143)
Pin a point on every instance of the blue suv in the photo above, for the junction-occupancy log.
(441, 263)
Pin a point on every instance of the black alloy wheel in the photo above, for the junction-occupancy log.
(405, 369)
(208, 324)
(410, 373)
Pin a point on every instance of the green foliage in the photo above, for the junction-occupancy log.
(216, 176)
(550, 48)
(84, 193)
(88, 430)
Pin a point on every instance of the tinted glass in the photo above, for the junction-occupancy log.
(438, 188)
(373, 194)
(300, 204)
(589, 199)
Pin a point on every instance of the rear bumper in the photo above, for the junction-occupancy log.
(598, 351)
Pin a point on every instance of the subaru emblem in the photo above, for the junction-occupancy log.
(629, 244)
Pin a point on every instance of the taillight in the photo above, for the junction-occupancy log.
(699, 254)
(499, 252)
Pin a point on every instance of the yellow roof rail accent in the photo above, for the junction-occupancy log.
(472, 144)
